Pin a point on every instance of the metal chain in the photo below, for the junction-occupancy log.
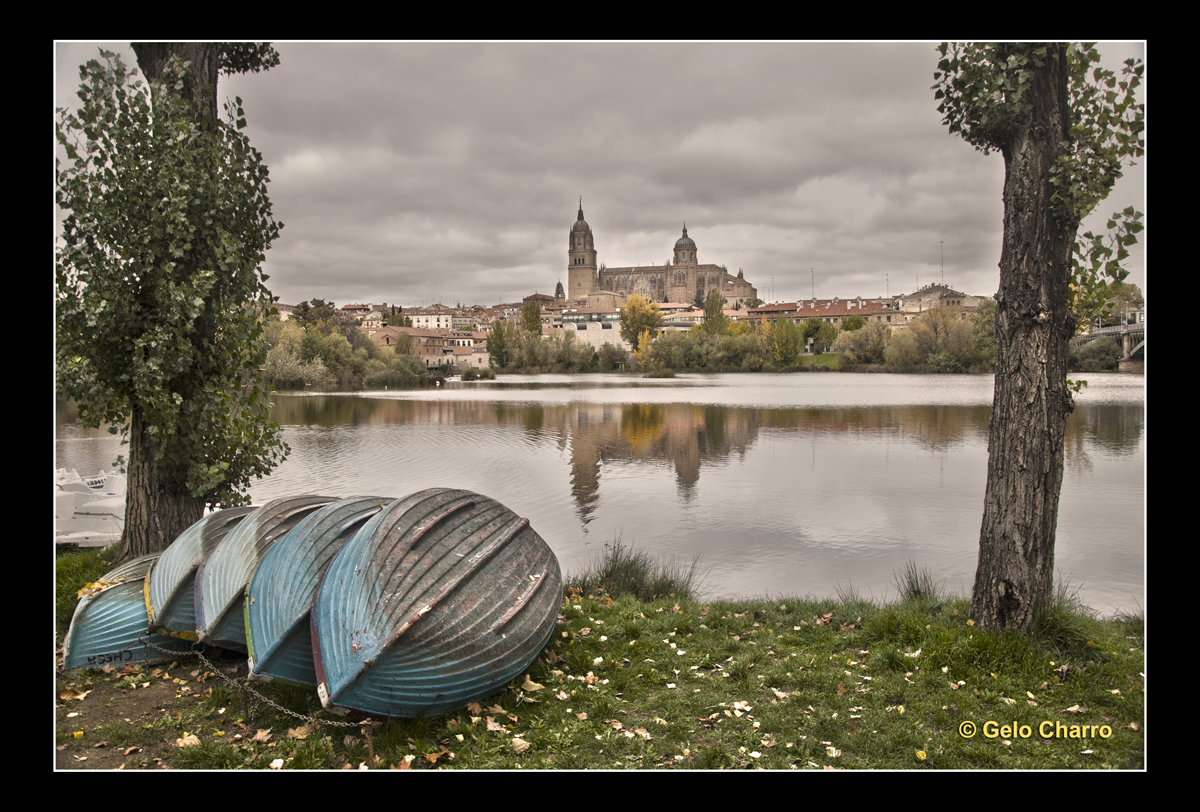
(144, 640)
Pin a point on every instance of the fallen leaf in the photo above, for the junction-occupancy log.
(298, 733)
(187, 741)
(841, 690)
(262, 736)
(493, 726)
(530, 685)
(475, 708)
(277, 764)
(519, 745)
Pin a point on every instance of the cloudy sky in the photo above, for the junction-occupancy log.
(412, 173)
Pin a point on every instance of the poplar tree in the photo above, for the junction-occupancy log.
(1065, 128)
(159, 288)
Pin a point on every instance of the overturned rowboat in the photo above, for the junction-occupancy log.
(221, 578)
(171, 584)
(439, 600)
(110, 619)
(279, 596)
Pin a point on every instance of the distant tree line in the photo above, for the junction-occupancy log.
(322, 348)
(941, 340)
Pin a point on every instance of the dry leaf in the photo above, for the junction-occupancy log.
(519, 746)
(298, 733)
(498, 728)
(475, 708)
(530, 685)
(187, 740)
(277, 764)
(841, 690)
(262, 736)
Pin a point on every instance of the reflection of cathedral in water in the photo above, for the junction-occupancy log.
(683, 435)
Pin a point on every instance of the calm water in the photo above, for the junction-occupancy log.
(788, 484)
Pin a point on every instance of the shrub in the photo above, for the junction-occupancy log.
(1100, 355)
(944, 362)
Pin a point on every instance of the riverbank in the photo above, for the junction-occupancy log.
(674, 683)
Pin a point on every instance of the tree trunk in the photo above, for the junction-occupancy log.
(1015, 574)
(199, 83)
(154, 515)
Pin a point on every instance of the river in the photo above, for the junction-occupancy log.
(798, 484)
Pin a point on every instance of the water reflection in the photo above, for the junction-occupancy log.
(785, 484)
(687, 437)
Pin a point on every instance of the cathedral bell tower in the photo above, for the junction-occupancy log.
(581, 259)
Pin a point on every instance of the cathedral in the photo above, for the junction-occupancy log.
(680, 280)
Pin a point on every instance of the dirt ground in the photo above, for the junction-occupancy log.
(123, 700)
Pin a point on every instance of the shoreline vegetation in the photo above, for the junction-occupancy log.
(643, 672)
(325, 351)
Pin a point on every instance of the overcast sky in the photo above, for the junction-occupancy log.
(412, 173)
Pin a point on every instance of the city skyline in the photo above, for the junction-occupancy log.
(412, 173)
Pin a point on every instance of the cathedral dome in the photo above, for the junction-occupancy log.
(684, 242)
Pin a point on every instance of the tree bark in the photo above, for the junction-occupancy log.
(199, 83)
(1014, 577)
(155, 514)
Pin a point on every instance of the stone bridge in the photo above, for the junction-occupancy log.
(1133, 343)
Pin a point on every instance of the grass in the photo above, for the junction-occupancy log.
(74, 569)
(916, 585)
(671, 682)
(621, 570)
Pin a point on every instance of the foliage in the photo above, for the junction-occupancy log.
(1097, 355)
(638, 315)
(985, 334)
(531, 318)
(943, 361)
(1126, 296)
(1097, 270)
(159, 288)
(821, 332)
(902, 351)
(985, 88)
(499, 346)
(643, 353)
(863, 346)
(610, 356)
(852, 323)
(784, 343)
(715, 320)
